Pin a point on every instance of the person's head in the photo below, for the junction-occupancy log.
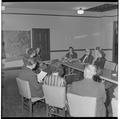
(98, 48)
(31, 52)
(87, 51)
(71, 49)
(31, 63)
(55, 67)
(89, 71)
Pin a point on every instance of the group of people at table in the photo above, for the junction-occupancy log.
(87, 86)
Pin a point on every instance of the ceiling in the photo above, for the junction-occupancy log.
(63, 6)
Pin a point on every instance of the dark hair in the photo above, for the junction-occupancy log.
(98, 48)
(71, 48)
(55, 66)
(97, 78)
(30, 51)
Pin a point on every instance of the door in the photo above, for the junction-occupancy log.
(115, 42)
(41, 39)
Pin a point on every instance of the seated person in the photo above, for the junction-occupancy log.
(54, 76)
(99, 59)
(88, 87)
(87, 58)
(71, 53)
(28, 75)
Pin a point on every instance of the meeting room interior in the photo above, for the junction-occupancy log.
(59, 59)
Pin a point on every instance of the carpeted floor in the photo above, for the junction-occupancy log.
(11, 100)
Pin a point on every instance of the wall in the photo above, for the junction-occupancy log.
(79, 32)
(106, 29)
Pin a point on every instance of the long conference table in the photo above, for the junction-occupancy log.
(106, 75)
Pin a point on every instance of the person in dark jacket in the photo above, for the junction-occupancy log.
(27, 74)
(71, 54)
(87, 58)
(99, 59)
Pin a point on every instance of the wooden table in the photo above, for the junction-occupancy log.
(74, 65)
(106, 75)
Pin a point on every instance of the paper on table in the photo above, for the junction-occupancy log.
(41, 75)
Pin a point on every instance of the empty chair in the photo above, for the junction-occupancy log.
(109, 65)
(114, 103)
(27, 100)
(55, 100)
(80, 106)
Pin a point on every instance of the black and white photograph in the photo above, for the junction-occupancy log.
(59, 59)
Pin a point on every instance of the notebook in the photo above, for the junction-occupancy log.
(41, 76)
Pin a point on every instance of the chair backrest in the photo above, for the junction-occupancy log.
(114, 103)
(54, 80)
(109, 65)
(81, 106)
(54, 96)
(24, 88)
(69, 78)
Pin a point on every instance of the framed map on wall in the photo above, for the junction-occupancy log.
(16, 42)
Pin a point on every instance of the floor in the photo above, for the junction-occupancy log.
(11, 100)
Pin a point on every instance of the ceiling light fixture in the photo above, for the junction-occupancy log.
(80, 11)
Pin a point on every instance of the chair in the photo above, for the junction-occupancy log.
(109, 65)
(80, 106)
(54, 80)
(69, 78)
(27, 100)
(114, 104)
(55, 100)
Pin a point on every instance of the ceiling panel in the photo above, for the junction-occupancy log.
(61, 6)
(103, 8)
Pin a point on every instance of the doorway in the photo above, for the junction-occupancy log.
(115, 41)
(41, 39)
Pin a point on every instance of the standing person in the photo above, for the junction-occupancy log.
(71, 53)
(38, 55)
(29, 53)
(27, 74)
(38, 60)
(87, 58)
(88, 87)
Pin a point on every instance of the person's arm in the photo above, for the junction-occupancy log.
(81, 59)
(103, 92)
(67, 55)
(68, 88)
(102, 63)
(34, 81)
(91, 59)
(75, 55)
